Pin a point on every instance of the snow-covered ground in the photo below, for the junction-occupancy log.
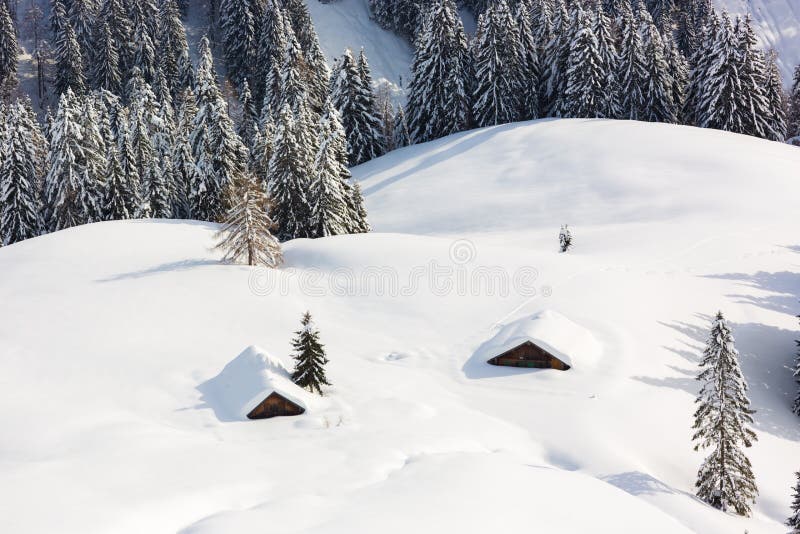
(113, 333)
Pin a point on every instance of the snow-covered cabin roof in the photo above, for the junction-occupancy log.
(567, 341)
(250, 378)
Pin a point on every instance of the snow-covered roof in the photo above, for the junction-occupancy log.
(250, 378)
(567, 341)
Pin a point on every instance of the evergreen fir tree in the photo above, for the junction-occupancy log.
(609, 63)
(794, 520)
(248, 118)
(556, 53)
(796, 405)
(246, 234)
(358, 210)
(82, 15)
(172, 47)
(658, 99)
(9, 49)
(702, 60)
(439, 93)
(93, 151)
(773, 89)
(632, 68)
(374, 143)
(69, 61)
(585, 93)
(315, 72)
(112, 12)
(144, 45)
(67, 200)
(564, 239)
(496, 58)
(528, 68)
(238, 38)
(722, 419)
(793, 120)
(678, 75)
(262, 151)
(753, 105)
(326, 191)
(21, 169)
(402, 137)
(183, 165)
(121, 191)
(273, 29)
(309, 357)
(105, 72)
(288, 181)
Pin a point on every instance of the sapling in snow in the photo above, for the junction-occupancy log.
(309, 357)
(725, 479)
(565, 239)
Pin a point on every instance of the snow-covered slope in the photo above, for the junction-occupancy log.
(777, 23)
(109, 333)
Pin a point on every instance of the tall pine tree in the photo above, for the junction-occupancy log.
(309, 357)
(722, 419)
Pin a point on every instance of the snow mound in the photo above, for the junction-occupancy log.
(249, 379)
(567, 341)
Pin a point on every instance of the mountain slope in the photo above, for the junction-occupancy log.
(110, 331)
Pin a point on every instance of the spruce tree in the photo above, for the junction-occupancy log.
(121, 192)
(68, 59)
(402, 137)
(67, 198)
(21, 169)
(794, 520)
(585, 93)
(183, 165)
(315, 72)
(93, 152)
(528, 63)
(793, 120)
(725, 479)
(309, 357)
(658, 99)
(496, 59)
(246, 234)
(105, 71)
(773, 88)
(172, 47)
(144, 45)
(238, 38)
(9, 49)
(556, 56)
(609, 63)
(439, 102)
(288, 181)
(329, 214)
(248, 118)
(753, 103)
(82, 15)
(273, 29)
(112, 12)
(796, 405)
(262, 151)
(632, 74)
(374, 143)
(131, 191)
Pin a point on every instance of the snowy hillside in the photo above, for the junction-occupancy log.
(777, 23)
(113, 334)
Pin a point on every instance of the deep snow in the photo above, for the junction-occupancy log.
(109, 331)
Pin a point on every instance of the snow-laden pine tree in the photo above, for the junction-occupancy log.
(262, 150)
(355, 102)
(143, 117)
(658, 99)
(82, 15)
(247, 232)
(218, 152)
(69, 73)
(327, 194)
(247, 127)
(402, 137)
(273, 29)
(238, 38)
(144, 45)
(315, 72)
(556, 57)
(497, 93)
(725, 479)
(632, 73)
(163, 132)
(112, 12)
(67, 199)
(703, 59)
(678, 74)
(122, 198)
(773, 91)
(528, 68)
(288, 181)
(183, 165)
(172, 47)
(794, 521)
(293, 88)
(104, 70)
(609, 61)
(21, 171)
(9, 49)
(439, 101)
(753, 105)
(793, 120)
(585, 91)
(358, 210)
(309, 357)
(93, 151)
(136, 206)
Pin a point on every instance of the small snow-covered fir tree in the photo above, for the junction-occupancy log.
(309, 357)
(725, 479)
(564, 239)
(794, 521)
(246, 234)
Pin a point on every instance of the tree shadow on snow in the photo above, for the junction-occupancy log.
(176, 266)
(637, 484)
(767, 357)
(784, 286)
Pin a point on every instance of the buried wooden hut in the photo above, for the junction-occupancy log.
(547, 340)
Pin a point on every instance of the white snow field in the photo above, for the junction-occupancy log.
(114, 337)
